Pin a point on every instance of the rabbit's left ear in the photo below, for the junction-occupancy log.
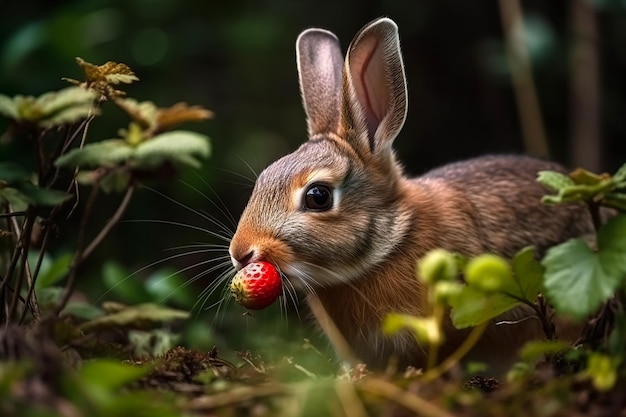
(374, 91)
(320, 63)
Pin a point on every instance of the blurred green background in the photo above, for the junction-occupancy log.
(236, 58)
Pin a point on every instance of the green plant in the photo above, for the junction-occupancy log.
(38, 196)
(578, 278)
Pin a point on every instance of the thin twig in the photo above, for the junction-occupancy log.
(332, 331)
(237, 395)
(78, 256)
(349, 400)
(458, 354)
(522, 77)
(117, 216)
(13, 214)
(25, 245)
(31, 297)
(81, 255)
(412, 402)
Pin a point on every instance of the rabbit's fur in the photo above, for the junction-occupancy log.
(359, 254)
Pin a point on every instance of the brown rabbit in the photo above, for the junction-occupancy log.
(342, 223)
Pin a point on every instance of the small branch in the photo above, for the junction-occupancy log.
(31, 296)
(330, 328)
(25, 244)
(412, 402)
(349, 400)
(81, 254)
(522, 77)
(458, 354)
(117, 216)
(13, 214)
(433, 348)
(594, 210)
(78, 257)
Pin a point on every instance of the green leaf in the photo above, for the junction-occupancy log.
(527, 278)
(615, 200)
(425, 329)
(554, 180)
(50, 104)
(83, 310)
(120, 282)
(536, 349)
(141, 316)
(11, 172)
(18, 200)
(438, 265)
(168, 285)
(115, 181)
(578, 280)
(179, 146)
(8, 107)
(620, 175)
(67, 116)
(109, 152)
(487, 272)
(493, 290)
(40, 196)
(602, 370)
(110, 374)
(53, 272)
(473, 307)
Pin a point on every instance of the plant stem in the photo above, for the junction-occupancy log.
(117, 216)
(433, 346)
(458, 354)
(31, 296)
(594, 210)
(81, 254)
(24, 238)
(13, 214)
(78, 257)
(528, 107)
(410, 401)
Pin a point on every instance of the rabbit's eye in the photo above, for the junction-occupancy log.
(318, 197)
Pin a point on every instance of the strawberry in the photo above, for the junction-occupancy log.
(256, 286)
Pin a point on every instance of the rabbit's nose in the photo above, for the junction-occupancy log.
(239, 261)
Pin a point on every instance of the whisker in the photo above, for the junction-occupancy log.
(184, 225)
(222, 208)
(249, 181)
(256, 176)
(203, 215)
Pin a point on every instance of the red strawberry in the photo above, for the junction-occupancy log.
(256, 286)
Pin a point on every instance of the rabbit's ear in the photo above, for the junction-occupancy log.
(320, 64)
(374, 94)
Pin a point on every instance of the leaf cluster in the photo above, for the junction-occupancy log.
(66, 106)
(582, 185)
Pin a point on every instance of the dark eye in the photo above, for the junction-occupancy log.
(318, 197)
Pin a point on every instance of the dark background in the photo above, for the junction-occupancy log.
(236, 58)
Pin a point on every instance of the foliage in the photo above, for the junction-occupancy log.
(51, 125)
(579, 279)
(576, 279)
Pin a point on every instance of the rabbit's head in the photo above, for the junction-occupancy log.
(333, 208)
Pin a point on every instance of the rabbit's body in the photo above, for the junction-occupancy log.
(341, 221)
(469, 207)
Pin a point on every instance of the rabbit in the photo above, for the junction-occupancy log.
(343, 224)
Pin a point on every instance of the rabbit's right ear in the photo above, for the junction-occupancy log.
(320, 66)
(375, 97)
